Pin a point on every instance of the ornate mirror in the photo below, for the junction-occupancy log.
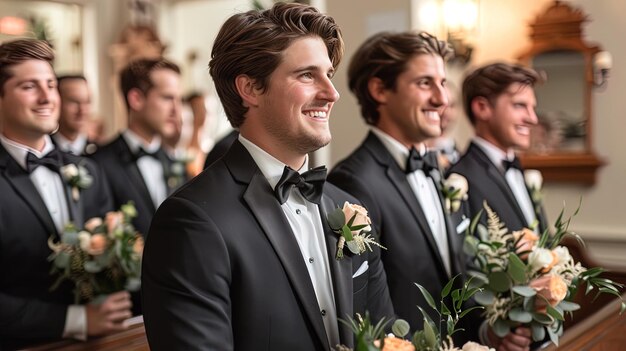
(562, 145)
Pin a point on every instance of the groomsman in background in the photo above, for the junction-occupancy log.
(399, 81)
(36, 205)
(243, 257)
(137, 167)
(74, 116)
(499, 101)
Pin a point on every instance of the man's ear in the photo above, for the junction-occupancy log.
(136, 99)
(377, 90)
(481, 107)
(246, 87)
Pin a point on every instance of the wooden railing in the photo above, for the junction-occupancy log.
(131, 339)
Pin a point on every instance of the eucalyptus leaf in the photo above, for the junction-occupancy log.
(538, 331)
(543, 318)
(516, 269)
(568, 306)
(499, 281)
(553, 337)
(353, 247)
(501, 328)
(132, 284)
(446, 289)
(484, 297)
(429, 299)
(483, 234)
(62, 260)
(400, 328)
(70, 238)
(519, 315)
(450, 325)
(92, 267)
(469, 246)
(524, 290)
(430, 334)
(554, 313)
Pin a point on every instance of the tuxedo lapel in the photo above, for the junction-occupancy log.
(22, 184)
(454, 244)
(266, 208)
(134, 175)
(74, 206)
(341, 271)
(398, 178)
(498, 178)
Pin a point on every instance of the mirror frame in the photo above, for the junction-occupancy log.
(560, 28)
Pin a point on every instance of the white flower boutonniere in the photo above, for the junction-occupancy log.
(454, 191)
(76, 177)
(534, 182)
(354, 228)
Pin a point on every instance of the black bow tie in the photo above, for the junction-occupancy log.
(310, 184)
(416, 161)
(52, 160)
(142, 152)
(511, 164)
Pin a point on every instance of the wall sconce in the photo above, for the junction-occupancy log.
(454, 20)
(602, 64)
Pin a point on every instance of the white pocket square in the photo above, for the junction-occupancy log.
(463, 225)
(364, 267)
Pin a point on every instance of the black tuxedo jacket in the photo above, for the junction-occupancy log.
(220, 148)
(29, 313)
(222, 269)
(373, 176)
(126, 181)
(487, 182)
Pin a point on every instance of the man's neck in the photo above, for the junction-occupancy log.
(69, 135)
(36, 142)
(291, 159)
(142, 133)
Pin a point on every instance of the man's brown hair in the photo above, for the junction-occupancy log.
(252, 43)
(385, 56)
(17, 51)
(136, 75)
(493, 80)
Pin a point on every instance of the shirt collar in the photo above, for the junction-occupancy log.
(271, 168)
(19, 152)
(495, 155)
(77, 146)
(398, 151)
(135, 142)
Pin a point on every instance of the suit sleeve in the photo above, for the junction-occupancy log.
(185, 281)
(30, 318)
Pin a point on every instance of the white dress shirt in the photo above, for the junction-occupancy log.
(150, 168)
(75, 147)
(514, 178)
(425, 191)
(306, 224)
(50, 187)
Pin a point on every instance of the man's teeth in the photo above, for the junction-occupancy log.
(316, 114)
(432, 115)
(524, 130)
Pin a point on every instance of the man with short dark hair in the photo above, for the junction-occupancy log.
(37, 203)
(243, 257)
(137, 167)
(74, 116)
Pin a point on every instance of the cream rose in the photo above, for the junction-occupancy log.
(84, 240)
(349, 210)
(527, 240)
(69, 171)
(456, 181)
(92, 224)
(541, 259)
(533, 178)
(552, 287)
(472, 346)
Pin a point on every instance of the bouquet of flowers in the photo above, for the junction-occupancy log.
(372, 337)
(529, 279)
(103, 258)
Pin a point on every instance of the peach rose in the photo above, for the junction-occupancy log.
(350, 210)
(552, 287)
(97, 245)
(395, 344)
(92, 224)
(138, 246)
(113, 220)
(526, 243)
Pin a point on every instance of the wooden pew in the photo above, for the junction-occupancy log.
(132, 339)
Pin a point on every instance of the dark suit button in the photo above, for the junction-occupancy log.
(323, 312)
(311, 260)
(298, 211)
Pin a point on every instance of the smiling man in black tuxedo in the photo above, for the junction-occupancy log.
(240, 258)
(37, 203)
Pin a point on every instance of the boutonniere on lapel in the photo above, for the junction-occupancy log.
(176, 174)
(77, 177)
(534, 182)
(454, 189)
(354, 228)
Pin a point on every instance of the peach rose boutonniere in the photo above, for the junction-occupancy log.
(454, 190)
(77, 177)
(354, 228)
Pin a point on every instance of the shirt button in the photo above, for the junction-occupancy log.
(323, 312)
(298, 211)
(311, 260)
